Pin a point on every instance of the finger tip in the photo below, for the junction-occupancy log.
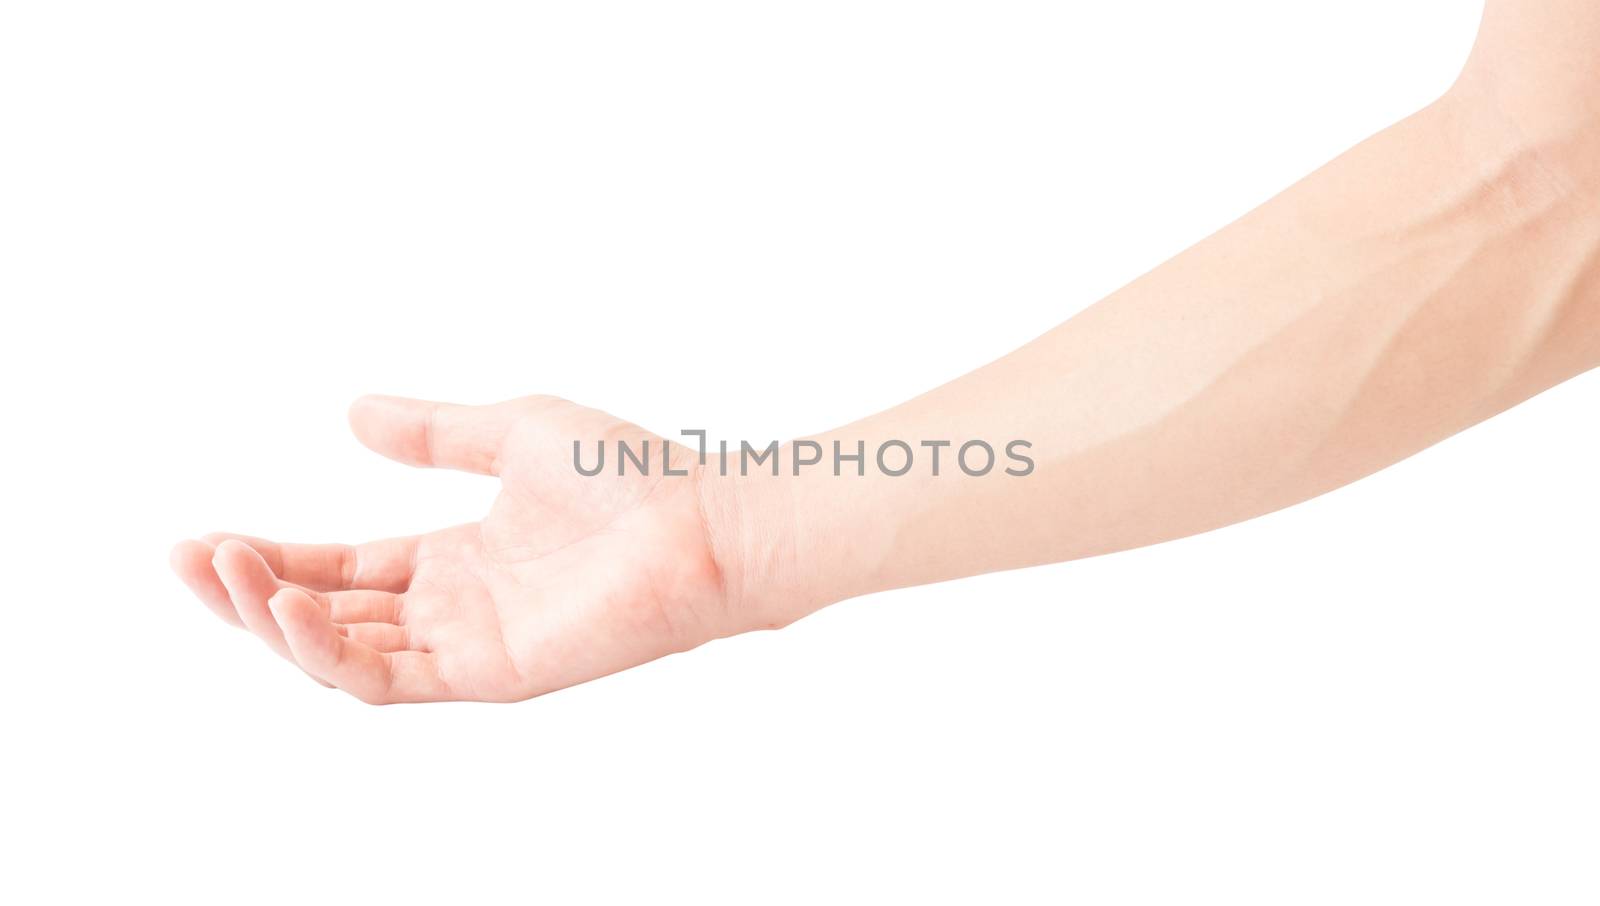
(365, 415)
(242, 570)
(191, 562)
(223, 556)
(186, 554)
(235, 552)
(295, 612)
(391, 426)
(285, 599)
(304, 628)
(370, 404)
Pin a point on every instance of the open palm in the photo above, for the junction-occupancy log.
(568, 578)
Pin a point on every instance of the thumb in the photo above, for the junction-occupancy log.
(443, 435)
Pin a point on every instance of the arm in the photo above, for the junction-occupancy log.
(1433, 276)
(1436, 274)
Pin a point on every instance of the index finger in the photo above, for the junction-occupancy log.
(384, 565)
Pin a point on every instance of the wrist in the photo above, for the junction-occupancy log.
(761, 548)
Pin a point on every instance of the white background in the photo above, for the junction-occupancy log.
(222, 221)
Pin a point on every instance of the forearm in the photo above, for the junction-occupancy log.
(1435, 275)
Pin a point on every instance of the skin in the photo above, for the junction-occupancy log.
(1440, 272)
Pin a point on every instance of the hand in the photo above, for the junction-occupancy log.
(568, 578)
